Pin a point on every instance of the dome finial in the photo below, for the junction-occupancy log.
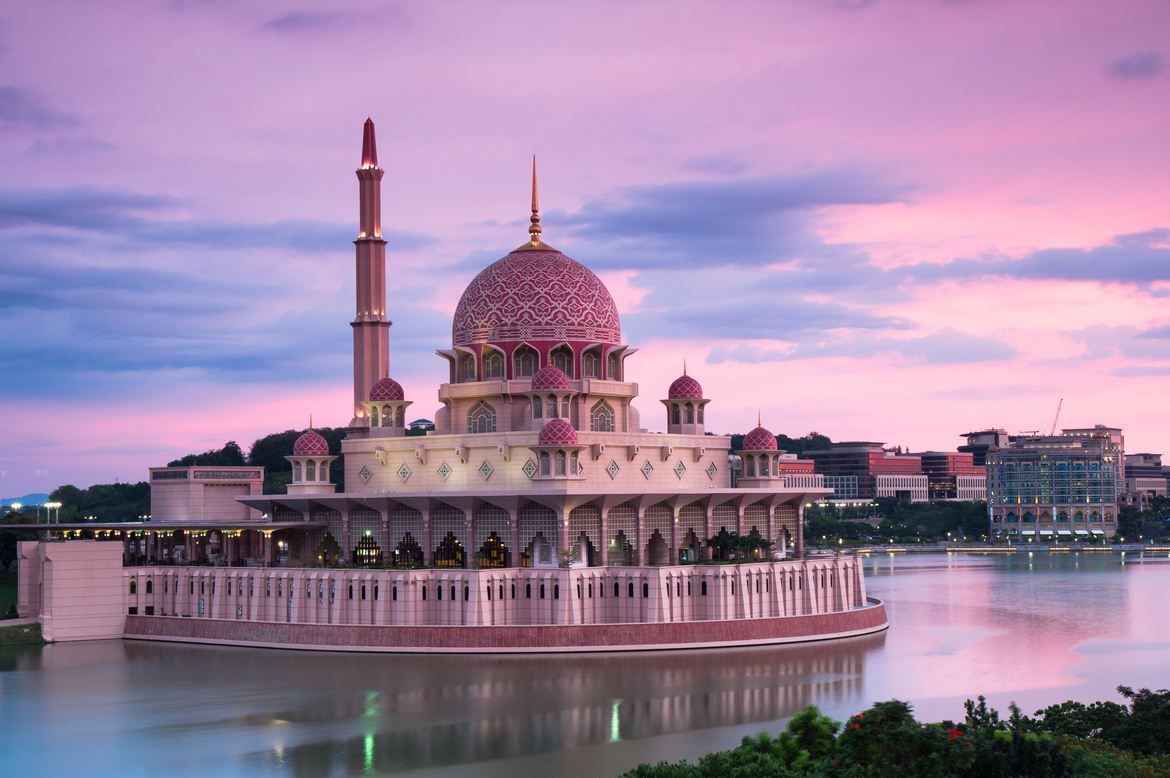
(759, 418)
(534, 227)
(684, 365)
(310, 420)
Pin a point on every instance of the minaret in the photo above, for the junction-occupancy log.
(371, 328)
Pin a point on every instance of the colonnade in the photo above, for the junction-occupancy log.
(500, 597)
(514, 531)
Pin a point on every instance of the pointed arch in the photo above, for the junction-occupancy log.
(525, 361)
(481, 418)
(493, 363)
(562, 357)
(601, 417)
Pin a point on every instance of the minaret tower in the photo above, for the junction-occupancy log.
(371, 328)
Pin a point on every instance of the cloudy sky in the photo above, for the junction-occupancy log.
(891, 221)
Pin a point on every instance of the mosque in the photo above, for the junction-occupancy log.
(537, 515)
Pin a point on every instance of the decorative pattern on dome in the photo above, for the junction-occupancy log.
(535, 294)
(558, 432)
(311, 444)
(386, 390)
(550, 378)
(759, 439)
(685, 388)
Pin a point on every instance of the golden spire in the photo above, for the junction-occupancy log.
(534, 228)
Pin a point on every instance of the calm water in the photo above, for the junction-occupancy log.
(1034, 629)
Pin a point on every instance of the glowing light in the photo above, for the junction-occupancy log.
(615, 721)
(369, 753)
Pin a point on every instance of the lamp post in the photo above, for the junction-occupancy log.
(49, 508)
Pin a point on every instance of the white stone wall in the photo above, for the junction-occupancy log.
(81, 590)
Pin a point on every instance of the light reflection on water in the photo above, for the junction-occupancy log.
(1036, 629)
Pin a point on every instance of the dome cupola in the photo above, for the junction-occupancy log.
(310, 463)
(550, 379)
(759, 439)
(558, 432)
(311, 444)
(685, 406)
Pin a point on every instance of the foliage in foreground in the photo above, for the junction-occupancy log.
(1065, 740)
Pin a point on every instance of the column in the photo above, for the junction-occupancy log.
(387, 548)
(604, 550)
(514, 536)
(674, 560)
(562, 533)
(641, 556)
(427, 541)
(346, 546)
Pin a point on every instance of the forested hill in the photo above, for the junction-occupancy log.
(810, 442)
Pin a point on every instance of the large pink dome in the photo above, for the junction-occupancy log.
(386, 390)
(550, 378)
(759, 439)
(311, 444)
(534, 294)
(685, 388)
(557, 432)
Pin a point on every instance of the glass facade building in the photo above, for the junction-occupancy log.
(1054, 487)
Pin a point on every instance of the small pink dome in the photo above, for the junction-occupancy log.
(311, 444)
(558, 432)
(550, 378)
(759, 439)
(685, 388)
(386, 390)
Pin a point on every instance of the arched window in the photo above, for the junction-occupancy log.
(493, 365)
(400, 417)
(591, 364)
(133, 586)
(613, 368)
(560, 463)
(524, 362)
(296, 471)
(601, 417)
(749, 466)
(545, 469)
(700, 414)
(482, 418)
(674, 414)
(562, 357)
(552, 406)
(574, 465)
(537, 407)
(690, 413)
(375, 417)
(310, 471)
(775, 466)
(564, 407)
(467, 368)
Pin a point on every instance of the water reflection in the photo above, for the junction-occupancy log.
(1035, 630)
(370, 713)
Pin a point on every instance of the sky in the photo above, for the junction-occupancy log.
(895, 221)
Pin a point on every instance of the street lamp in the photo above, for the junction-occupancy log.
(49, 508)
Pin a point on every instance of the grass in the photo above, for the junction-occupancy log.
(24, 634)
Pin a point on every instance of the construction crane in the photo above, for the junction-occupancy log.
(1059, 405)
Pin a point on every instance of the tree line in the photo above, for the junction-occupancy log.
(1068, 740)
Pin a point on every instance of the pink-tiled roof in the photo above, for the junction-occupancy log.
(759, 439)
(558, 432)
(311, 444)
(386, 390)
(550, 378)
(685, 388)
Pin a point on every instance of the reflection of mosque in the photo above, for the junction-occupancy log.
(421, 711)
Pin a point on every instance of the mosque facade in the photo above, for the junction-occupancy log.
(538, 514)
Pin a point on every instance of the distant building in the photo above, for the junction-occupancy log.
(954, 476)
(1145, 479)
(421, 424)
(863, 470)
(1052, 487)
(978, 444)
(1114, 434)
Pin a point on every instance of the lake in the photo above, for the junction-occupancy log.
(1035, 629)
